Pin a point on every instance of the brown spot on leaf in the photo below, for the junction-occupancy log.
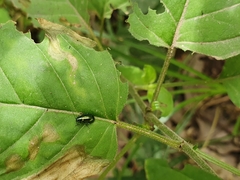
(14, 163)
(72, 61)
(55, 51)
(49, 133)
(75, 164)
(53, 29)
(34, 147)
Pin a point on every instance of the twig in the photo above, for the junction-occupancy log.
(170, 54)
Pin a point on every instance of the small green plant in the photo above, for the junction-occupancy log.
(61, 98)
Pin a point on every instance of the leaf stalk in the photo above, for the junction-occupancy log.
(170, 54)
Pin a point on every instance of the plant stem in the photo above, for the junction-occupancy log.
(173, 140)
(170, 54)
(218, 163)
(139, 130)
(136, 96)
(184, 146)
(145, 132)
(176, 142)
(160, 55)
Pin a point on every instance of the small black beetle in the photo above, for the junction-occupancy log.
(85, 119)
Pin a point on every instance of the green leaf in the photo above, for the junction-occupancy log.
(231, 73)
(4, 16)
(104, 8)
(164, 102)
(137, 76)
(158, 169)
(144, 5)
(43, 88)
(23, 4)
(197, 26)
(71, 10)
(54, 29)
(197, 173)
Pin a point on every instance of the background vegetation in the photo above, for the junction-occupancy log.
(161, 80)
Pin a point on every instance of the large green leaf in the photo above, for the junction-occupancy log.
(205, 26)
(43, 87)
